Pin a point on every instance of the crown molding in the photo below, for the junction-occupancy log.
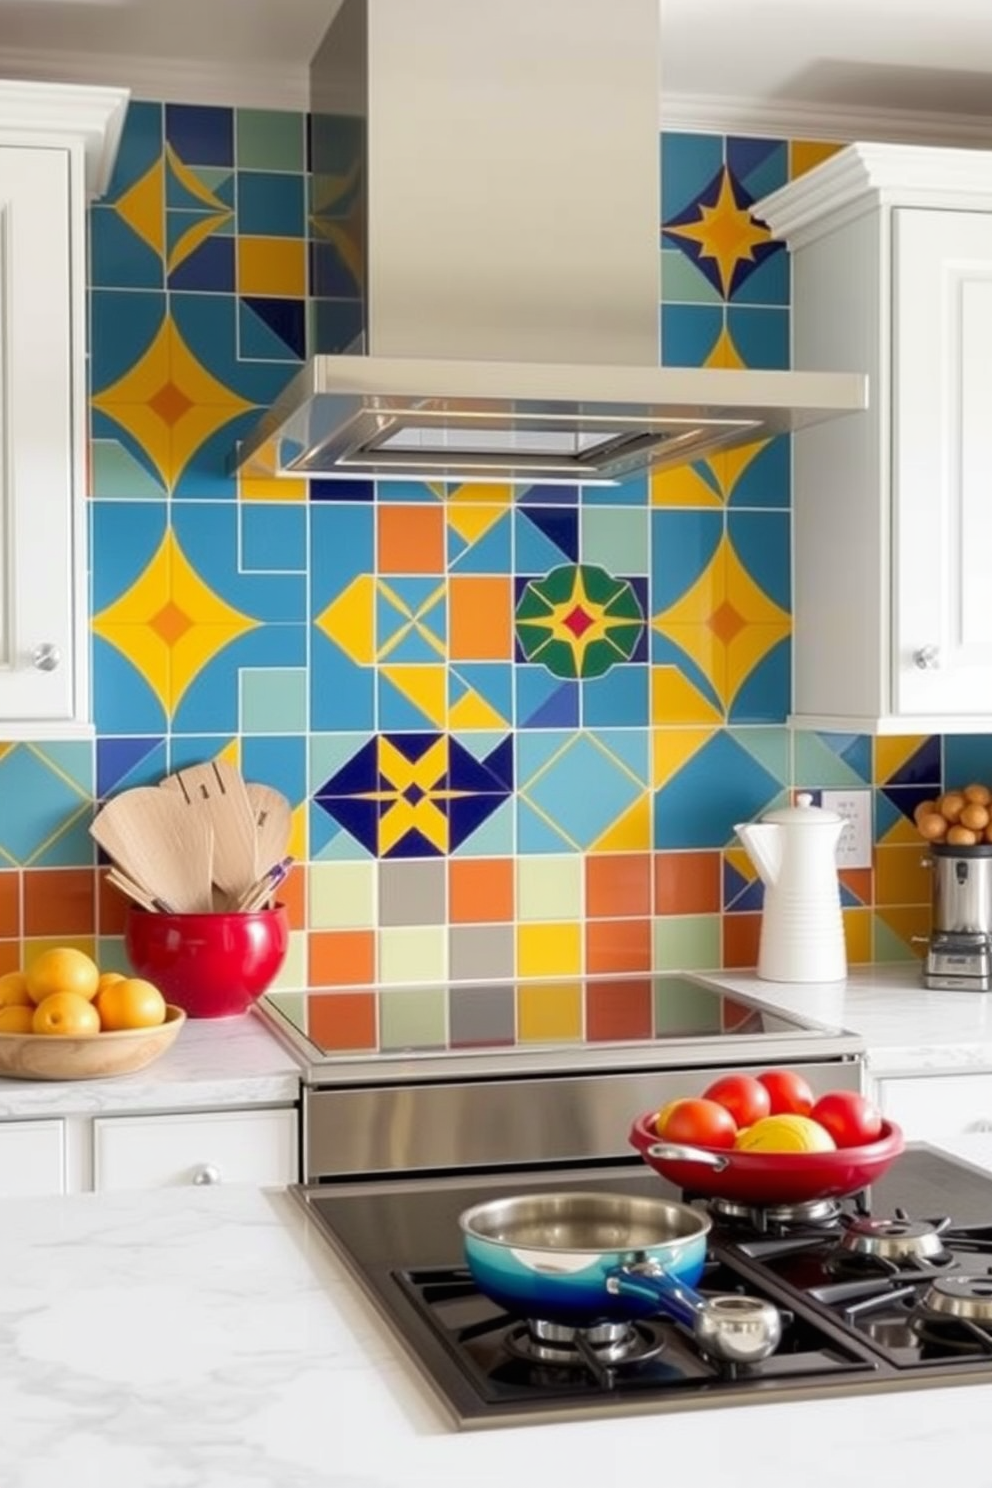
(168, 79)
(792, 119)
(48, 113)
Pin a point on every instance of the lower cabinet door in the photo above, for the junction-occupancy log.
(32, 1158)
(196, 1147)
(931, 1106)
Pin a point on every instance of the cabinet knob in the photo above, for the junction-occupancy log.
(46, 657)
(206, 1173)
(927, 658)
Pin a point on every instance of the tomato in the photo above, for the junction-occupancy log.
(745, 1097)
(789, 1092)
(699, 1123)
(851, 1119)
(663, 1114)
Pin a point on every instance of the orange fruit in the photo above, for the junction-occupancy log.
(14, 990)
(130, 1003)
(16, 1018)
(66, 1013)
(106, 978)
(62, 969)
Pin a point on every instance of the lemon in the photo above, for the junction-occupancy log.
(785, 1133)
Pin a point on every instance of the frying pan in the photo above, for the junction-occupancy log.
(581, 1259)
(767, 1177)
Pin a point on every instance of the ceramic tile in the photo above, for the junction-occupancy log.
(269, 139)
(271, 266)
(273, 700)
(482, 1016)
(480, 890)
(550, 1012)
(617, 540)
(479, 951)
(59, 901)
(200, 134)
(342, 896)
(341, 957)
(414, 1020)
(619, 1010)
(479, 624)
(617, 946)
(413, 953)
(618, 885)
(412, 893)
(549, 888)
(549, 949)
(344, 1021)
(270, 203)
(688, 943)
(10, 903)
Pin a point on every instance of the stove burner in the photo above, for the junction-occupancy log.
(894, 1240)
(816, 1213)
(539, 1342)
(959, 1297)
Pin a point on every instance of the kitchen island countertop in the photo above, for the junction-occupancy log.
(204, 1338)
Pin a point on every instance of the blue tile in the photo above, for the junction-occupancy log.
(543, 700)
(140, 147)
(118, 257)
(765, 695)
(761, 336)
(200, 134)
(467, 813)
(768, 283)
(719, 786)
(207, 532)
(683, 544)
(277, 760)
(123, 324)
(123, 702)
(271, 328)
(541, 495)
(342, 490)
(689, 333)
(761, 542)
(273, 537)
(689, 163)
(342, 547)
(766, 481)
(208, 324)
(342, 692)
(618, 698)
(126, 536)
(123, 762)
(211, 702)
(583, 791)
(209, 267)
(271, 204)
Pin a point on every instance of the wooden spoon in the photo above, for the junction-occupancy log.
(273, 824)
(217, 792)
(160, 845)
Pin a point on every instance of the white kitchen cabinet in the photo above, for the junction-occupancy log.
(892, 276)
(32, 1158)
(155, 1151)
(930, 1107)
(57, 147)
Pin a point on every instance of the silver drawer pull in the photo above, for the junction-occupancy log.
(46, 657)
(927, 658)
(206, 1173)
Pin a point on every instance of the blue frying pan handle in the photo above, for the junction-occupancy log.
(650, 1282)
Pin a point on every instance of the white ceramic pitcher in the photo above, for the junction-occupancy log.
(795, 852)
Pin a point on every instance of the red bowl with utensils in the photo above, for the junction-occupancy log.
(211, 965)
(757, 1178)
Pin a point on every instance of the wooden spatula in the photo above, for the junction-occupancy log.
(165, 848)
(273, 824)
(216, 791)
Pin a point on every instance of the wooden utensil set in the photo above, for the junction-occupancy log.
(201, 841)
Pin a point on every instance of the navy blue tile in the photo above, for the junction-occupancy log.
(200, 134)
(342, 490)
(209, 267)
(285, 320)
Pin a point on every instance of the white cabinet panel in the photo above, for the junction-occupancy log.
(198, 1147)
(32, 1158)
(928, 1107)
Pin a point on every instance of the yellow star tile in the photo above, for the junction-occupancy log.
(672, 749)
(349, 620)
(142, 207)
(631, 832)
(725, 232)
(674, 699)
(472, 522)
(170, 624)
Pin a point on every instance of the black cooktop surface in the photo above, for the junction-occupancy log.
(845, 1327)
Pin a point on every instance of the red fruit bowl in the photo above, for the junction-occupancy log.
(769, 1177)
(211, 965)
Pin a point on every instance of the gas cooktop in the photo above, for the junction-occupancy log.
(885, 1290)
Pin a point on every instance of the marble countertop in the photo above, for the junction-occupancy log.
(214, 1062)
(907, 1028)
(205, 1338)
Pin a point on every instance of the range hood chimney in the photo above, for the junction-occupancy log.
(485, 265)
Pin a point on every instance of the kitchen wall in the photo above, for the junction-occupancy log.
(517, 731)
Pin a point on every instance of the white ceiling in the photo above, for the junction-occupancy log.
(869, 67)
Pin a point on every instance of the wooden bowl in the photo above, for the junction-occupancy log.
(53, 1056)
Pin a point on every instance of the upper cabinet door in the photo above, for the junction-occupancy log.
(942, 462)
(40, 573)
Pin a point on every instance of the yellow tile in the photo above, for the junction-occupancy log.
(857, 936)
(272, 266)
(630, 832)
(674, 699)
(549, 949)
(258, 488)
(892, 753)
(804, 154)
(900, 877)
(549, 1011)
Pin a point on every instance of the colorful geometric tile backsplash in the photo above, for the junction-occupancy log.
(517, 727)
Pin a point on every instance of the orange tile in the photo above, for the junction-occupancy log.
(479, 618)
(618, 884)
(411, 539)
(618, 945)
(341, 957)
(293, 894)
(686, 883)
(272, 266)
(10, 956)
(343, 1020)
(740, 939)
(59, 901)
(857, 881)
(10, 902)
(619, 1010)
(480, 890)
(111, 907)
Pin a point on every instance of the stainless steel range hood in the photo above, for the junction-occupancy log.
(485, 263)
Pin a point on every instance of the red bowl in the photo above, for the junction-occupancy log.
(774, 1177)
(212, 965)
